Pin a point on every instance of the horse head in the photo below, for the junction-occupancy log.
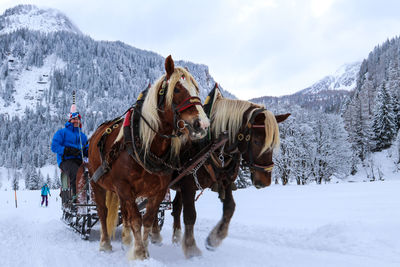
(262, 139)
(173, 107)
(182, 94)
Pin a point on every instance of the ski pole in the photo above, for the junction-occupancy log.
(80, 123)
(15, 191)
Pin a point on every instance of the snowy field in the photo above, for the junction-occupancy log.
(345, 224)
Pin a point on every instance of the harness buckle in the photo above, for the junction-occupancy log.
(179, 127)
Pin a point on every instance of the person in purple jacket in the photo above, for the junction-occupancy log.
(70, 144)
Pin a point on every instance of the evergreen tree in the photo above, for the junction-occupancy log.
(15, 181)
(398, 149)
(383, 123)
(56, 179)
(243, 180)
(48, 181)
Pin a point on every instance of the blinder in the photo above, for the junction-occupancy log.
(244, 144)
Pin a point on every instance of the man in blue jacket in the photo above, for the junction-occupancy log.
(69, 143)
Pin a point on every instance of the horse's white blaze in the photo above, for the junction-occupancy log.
(204, 121)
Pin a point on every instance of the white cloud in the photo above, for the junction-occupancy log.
(253, 48)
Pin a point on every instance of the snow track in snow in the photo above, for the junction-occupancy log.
(349, 224)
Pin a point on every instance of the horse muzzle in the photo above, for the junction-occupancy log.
(197, 128)
(260, 183)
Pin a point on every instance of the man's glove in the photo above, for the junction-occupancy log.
(71, 151)
(85, 152)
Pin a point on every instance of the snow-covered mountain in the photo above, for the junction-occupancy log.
(345, 78)
(326, 95)
(39, 69)
(36, 19)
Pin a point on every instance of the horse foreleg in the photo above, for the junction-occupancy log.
(189, 246)
(139, 250)
(220, 231)
(176, 213)
(100, 199)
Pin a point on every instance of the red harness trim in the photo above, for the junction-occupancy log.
(188, 102)
(127, 120)
(259, 126)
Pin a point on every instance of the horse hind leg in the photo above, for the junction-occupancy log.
(176, 213)
(220, 231)
(189, 246)
(150, 218)
(155, 236)
(100, 198)
(126, 228)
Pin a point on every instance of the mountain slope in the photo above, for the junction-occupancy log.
(39, 71)
(345, 78)
(35, 19)
(326, 95)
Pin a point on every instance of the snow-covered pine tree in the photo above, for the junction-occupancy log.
(48, 181)
(243, 180)
(56, 179)
(398, 149)
(384, 122)
(15, 181)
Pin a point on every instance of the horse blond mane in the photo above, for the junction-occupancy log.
(150, 110)
(221, 121)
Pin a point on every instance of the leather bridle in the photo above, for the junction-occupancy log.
(244, 144)
(179, 124)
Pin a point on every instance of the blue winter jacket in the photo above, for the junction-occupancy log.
(45, 190)
(68, 136)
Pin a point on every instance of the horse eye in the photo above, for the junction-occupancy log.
(176, 90)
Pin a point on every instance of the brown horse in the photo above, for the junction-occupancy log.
(253, 135)
(170, 117)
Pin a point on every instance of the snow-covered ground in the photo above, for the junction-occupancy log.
(344, 224)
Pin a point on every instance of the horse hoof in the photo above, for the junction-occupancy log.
(125, 247)
(105, 247)
(209, 244)
(177, 237)
(142, 255)
(192, 252)
(157, 243)
(156, 239)
(138, 254)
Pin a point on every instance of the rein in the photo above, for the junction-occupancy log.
(200, 158)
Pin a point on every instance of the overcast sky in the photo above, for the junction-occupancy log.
(252, 48)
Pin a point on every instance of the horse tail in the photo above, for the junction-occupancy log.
(112, 204)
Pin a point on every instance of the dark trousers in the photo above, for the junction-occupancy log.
(44, 198)
(70, 167)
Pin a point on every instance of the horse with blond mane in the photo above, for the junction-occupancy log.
(253, 135)
(171, 115)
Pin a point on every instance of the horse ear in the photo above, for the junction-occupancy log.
(282, 117)
(218, 94)
(169, 66)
